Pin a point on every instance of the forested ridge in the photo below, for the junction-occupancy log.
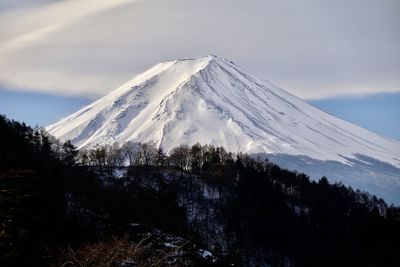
(246, 211)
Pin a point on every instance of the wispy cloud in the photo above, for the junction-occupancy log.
(315, 49)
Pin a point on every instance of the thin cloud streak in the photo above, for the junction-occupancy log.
(314, 49)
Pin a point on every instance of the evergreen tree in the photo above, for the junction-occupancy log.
(161, 157)
(69, 153)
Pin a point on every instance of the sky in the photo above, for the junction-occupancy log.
(379, 113)
(64, 53)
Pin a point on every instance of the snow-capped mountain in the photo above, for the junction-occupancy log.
(211, 100)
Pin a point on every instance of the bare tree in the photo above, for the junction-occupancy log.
(131, 153)
(196, 157)
(84, 157)
(180, 157)
(148, 153)
(114, 156)
(97, 156)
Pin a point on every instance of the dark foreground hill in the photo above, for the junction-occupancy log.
(196, 206)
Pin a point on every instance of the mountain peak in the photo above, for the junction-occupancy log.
(203, 60)
(211, 100)
(208, 57)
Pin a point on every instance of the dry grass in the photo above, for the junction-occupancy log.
(117, 252)
(112, 252)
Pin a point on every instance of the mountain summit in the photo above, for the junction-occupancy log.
(211, 100)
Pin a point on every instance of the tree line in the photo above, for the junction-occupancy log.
(273, 212)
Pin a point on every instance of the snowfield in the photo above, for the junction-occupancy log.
(211, 100)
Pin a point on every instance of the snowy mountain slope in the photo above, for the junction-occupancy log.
(210, 100)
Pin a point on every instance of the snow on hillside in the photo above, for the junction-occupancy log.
(212, 101)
